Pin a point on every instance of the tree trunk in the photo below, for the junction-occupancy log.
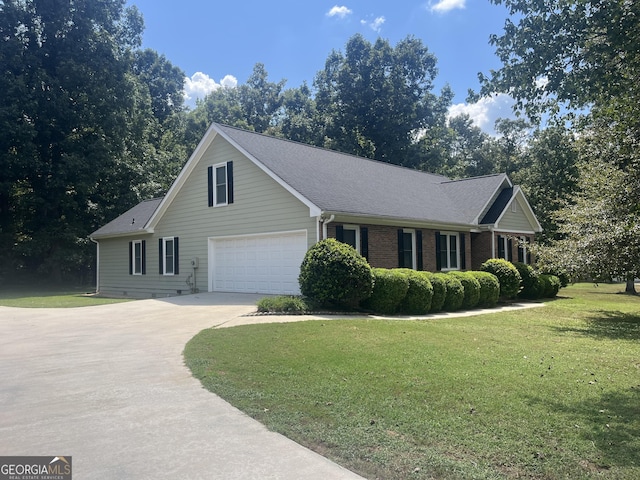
(631, 285)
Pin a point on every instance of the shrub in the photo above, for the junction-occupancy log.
(389, 289)
(471, 289)
(531, 285)
(550, 285)
(417, 301)
(334, 274)
(455, 293)
(507, 274)
(489, 288)
(283, 303)
(439, 292)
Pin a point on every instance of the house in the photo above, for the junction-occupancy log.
(246, 207)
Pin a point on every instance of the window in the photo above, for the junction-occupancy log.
(220, 184)
(449, 251)
(356, 236)
(168, 254)
(410, 249)
(524, 256)
(504, 247)
(137, 257)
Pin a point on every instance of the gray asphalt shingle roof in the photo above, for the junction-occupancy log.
(131, 221)
(341, 183)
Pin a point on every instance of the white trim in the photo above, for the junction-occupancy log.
(214, 186)
(133, 257)
(528, 211)
(356, 229)
(164, 255)
(457, 236)
(485, 208)
(414, 252)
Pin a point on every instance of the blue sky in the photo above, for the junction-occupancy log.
(217, 43)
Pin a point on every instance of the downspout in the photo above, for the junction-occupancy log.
(493, 243)
(97, 264)
(326, 222)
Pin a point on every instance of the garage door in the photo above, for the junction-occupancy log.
(257, 263)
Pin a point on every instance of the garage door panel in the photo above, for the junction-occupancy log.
(258, 264)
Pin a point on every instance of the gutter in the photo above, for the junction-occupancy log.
(326, 222)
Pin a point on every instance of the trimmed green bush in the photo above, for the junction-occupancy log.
(471, 289)
(439, 292)
(489, 288)
(455, 293)
(334, 274)
(531, 285)
(389, 289)
(507, 274)
(417, 301)
(550, 285)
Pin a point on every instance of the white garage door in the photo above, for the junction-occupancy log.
(257, 263)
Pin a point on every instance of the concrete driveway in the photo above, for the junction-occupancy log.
(107, 385)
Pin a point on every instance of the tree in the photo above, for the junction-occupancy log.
(375, 99)
(72, 126)
(583, 54)
(469, 154)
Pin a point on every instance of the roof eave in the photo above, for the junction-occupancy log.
(142, 231)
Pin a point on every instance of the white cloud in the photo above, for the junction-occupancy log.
(375, 25)
(200, 85)
(339, 12)
(444, 6)
(485, 111)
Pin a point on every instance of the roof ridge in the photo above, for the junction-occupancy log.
(476, 178)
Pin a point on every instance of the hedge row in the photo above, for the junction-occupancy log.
(334, 274)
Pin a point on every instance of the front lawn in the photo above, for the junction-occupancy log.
(550, 392)
(25, 297)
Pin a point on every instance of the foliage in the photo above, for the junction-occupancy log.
(532, 288)
(489, 288)
(550, 285)
(284, 304)
(507, 274)
(439, 291)
(82, 118)
(334, 274)
(546, 392)
(417, 301)
(455, 293)
(388, 86)
(390, 287)
(471, 289)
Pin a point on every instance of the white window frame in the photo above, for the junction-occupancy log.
(505, 247)
(447, 249)
(414, 252)
(133, 257)
(522, 246)
(215, 167)
(356, 229)
(165, 240)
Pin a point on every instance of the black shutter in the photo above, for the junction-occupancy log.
(210, 185)
(144, 257)
(176, 258)
(130, 258)
(438, 252)
(419, 263)
(463, 252)
(160, 257)
(340, 233)
(364, 242)
(528, 251)
(400, 248)
(509, 250)
(501, 252)
(229, 182)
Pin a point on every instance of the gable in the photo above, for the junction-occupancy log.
(517, 215)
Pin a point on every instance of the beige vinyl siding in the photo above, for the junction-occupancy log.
(260, 205)
(515, 221)
(114, 268)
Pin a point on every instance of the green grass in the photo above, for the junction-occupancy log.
(42, 298)
(544, 393)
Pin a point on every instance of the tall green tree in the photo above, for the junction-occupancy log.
(70, 126)
(375, 99)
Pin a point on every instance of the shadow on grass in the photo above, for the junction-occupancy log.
(608, 325)
(611, 423)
